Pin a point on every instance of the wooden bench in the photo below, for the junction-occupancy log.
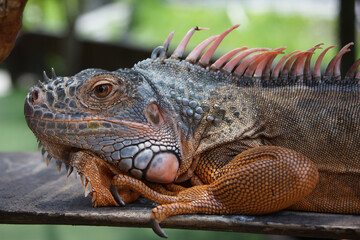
(31, 193)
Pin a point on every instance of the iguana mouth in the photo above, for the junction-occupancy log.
(146, 158)
(61, 154)
(144, 155)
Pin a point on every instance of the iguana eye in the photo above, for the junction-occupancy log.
(102, 90)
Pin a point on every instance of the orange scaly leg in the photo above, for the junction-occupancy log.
(257, 181)
(191, 200)
(167, 189)
(97, 176)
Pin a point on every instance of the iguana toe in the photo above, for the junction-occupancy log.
(157, 229)
(116, 195)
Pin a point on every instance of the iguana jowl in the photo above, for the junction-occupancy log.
(250, 138)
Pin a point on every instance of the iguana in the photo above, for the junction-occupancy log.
(236, 136)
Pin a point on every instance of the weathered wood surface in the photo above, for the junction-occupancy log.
(31, 193)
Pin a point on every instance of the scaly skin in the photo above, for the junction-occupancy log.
(247, 138)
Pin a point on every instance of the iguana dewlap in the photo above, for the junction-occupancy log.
(250, 136)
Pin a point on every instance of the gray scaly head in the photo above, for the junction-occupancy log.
(116, 115)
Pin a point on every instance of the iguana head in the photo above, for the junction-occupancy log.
(116, 115)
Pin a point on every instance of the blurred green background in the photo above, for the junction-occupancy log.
(144, 25)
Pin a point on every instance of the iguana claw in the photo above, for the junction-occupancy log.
(157, 229)
(116, 195)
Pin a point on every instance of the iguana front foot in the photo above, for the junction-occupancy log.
(257, 181)
(197, 199)
(96, 177)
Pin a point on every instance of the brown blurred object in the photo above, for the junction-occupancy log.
(10, 24)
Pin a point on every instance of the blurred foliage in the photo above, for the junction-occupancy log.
(262, 29)
(45, 16)
(153, 20)
(43, 232)
(15, 134)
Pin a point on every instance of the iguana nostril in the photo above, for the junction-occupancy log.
(35, 97)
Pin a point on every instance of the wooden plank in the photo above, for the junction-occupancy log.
(31, 193)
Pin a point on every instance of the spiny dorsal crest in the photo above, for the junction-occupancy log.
(258, 62)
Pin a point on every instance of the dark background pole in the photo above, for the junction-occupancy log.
(347, 31)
